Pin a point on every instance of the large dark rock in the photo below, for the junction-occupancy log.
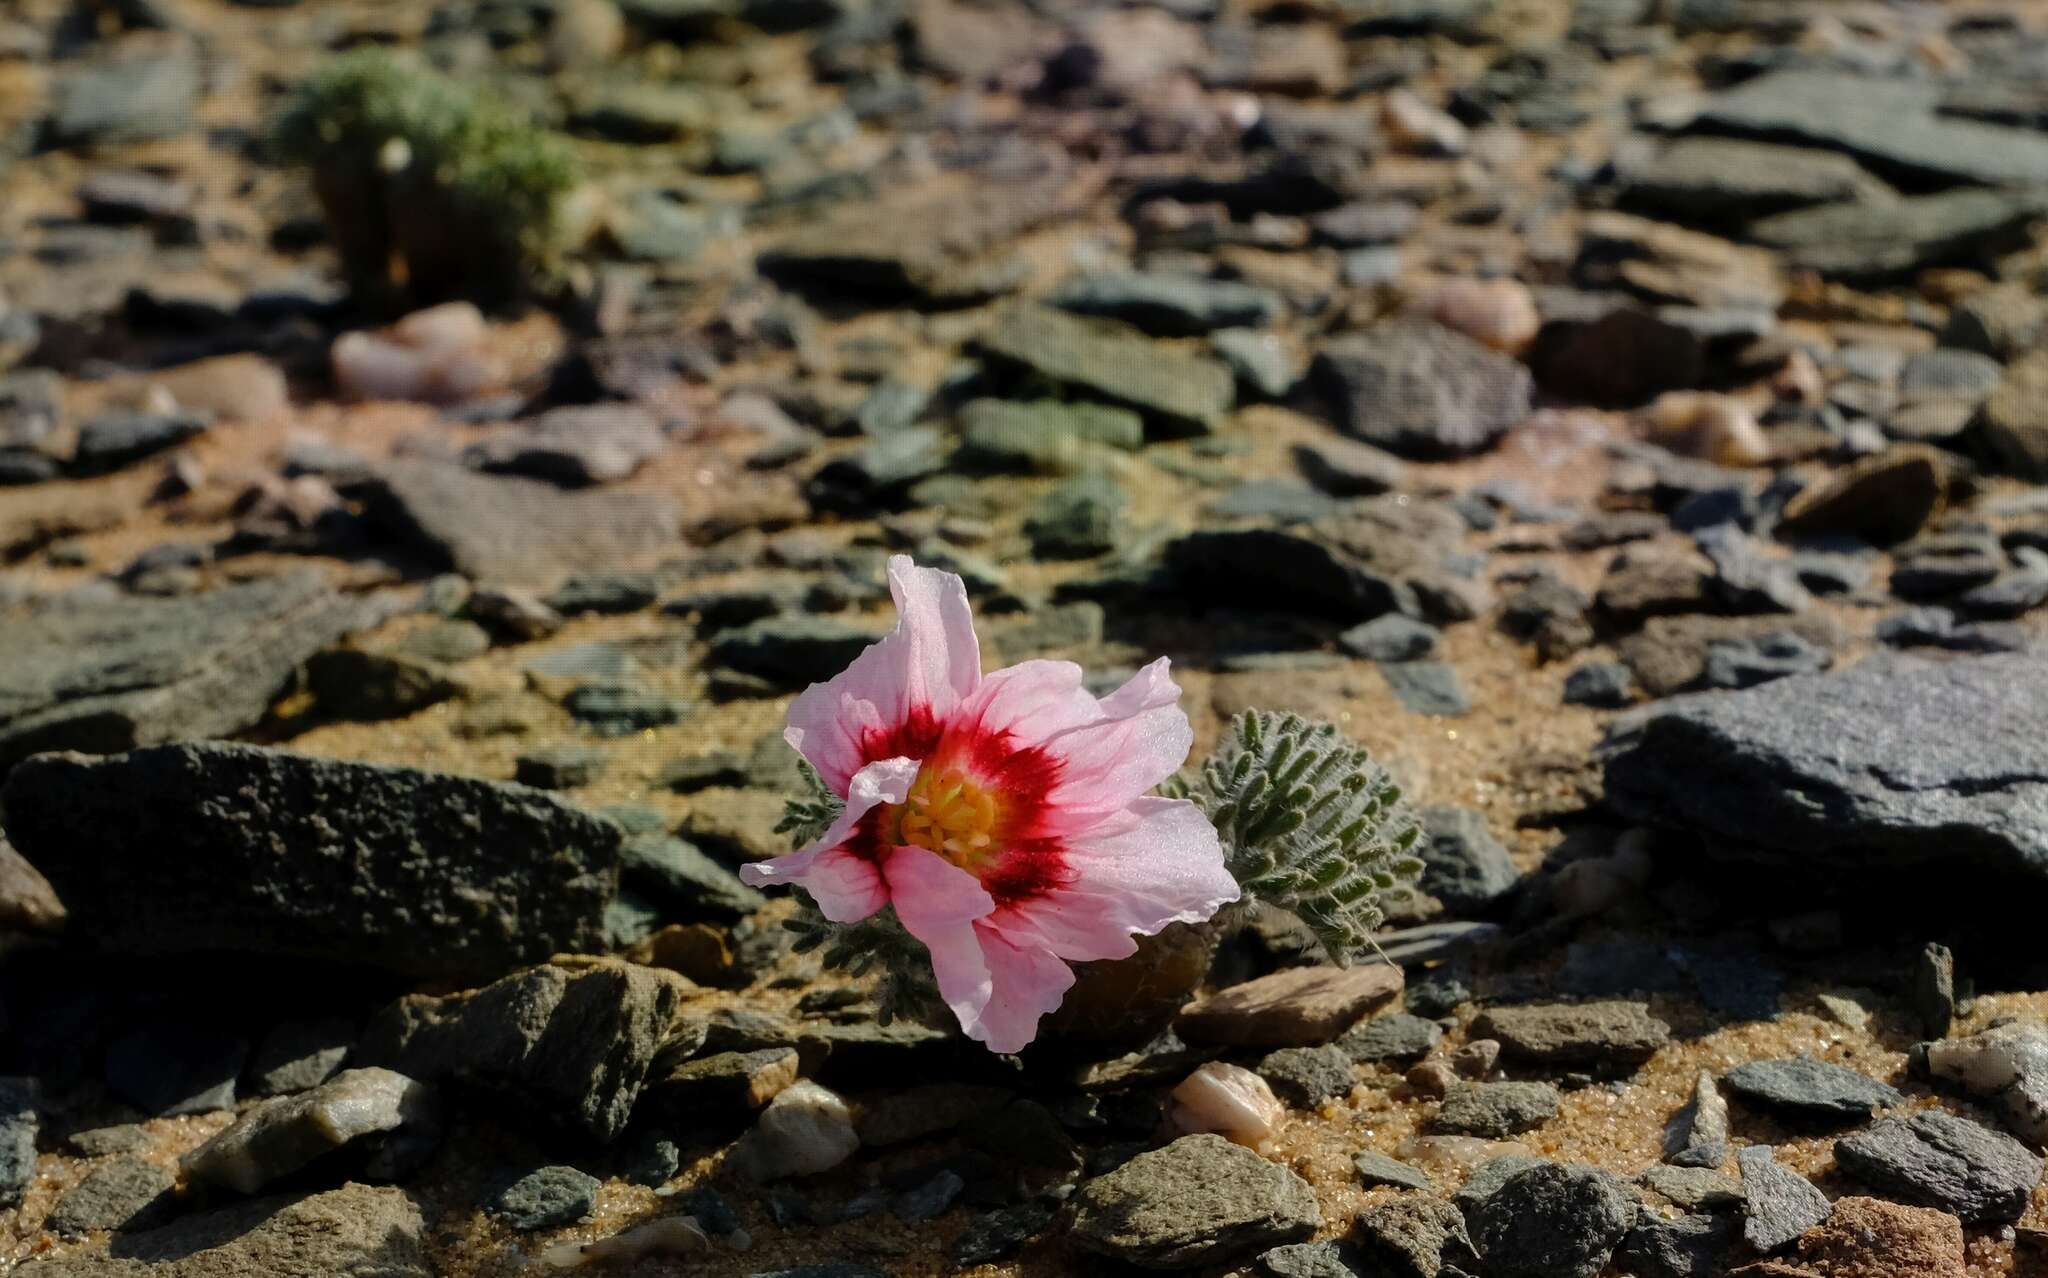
(1422, 390)
(514, 531)
(1381, 555)
(1198, 1202)
(1552, 1221)
(352, 1232)
(105, 676)
(220, 847)
(570, 1044)
(1896, 762)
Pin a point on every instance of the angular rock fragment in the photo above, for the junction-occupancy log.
(573, 1045)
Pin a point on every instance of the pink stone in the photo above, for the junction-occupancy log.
(1299, 1007)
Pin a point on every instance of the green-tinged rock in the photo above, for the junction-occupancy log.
(1180, 392)
(1045, 436)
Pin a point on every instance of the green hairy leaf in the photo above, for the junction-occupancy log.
(1309, 823)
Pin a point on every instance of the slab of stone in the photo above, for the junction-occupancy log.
(1496, 1111)
(1934, 1159)
(1890, 124)
(1375, 1168)
(1778, 1204)
(1706, 179)
(1305, 1077)
(571, 1046)
(120, 1193)
(1872, 242)
(513, 531)
(110, 675)
(382, 1124)
(1181, 392)
(1298, 1007)
(221, 847)
(353, 1232)
(1802, 1087)
(1198, 1202)
(936, 241)
(1896, 762)
(1595, 1036)
(1396, 1036)
(1168, 305)
(1692, 1188)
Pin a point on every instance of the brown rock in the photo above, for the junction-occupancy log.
(1870, 1238)
(27, 901)
(1653, 582)
(236, 387)
(1884, 499)
(1300, 1007)
(2013, 424)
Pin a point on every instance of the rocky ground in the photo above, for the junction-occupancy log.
(1623, 417)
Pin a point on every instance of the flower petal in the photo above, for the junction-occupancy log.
(1025, 984)
(846, 887)
(937, 902)
(915, 675)
(1155, 863)
(1141, 739)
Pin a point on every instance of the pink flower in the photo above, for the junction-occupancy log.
(1005, 818)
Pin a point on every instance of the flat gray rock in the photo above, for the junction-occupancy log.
(111, 675)
(1375, 1168)
(213, 846)
(1778, 1204)
(513, 531)
(1396, 1036)
(1865, 241)
(1496, 1111)
(1801, 1087)
(1198, 1202)
(1599, 1036)
(1107, 360)
(1896, 762)
(1889, 124)
(352, 1232)
(1934, 1159)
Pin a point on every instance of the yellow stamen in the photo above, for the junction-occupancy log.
(949, 814)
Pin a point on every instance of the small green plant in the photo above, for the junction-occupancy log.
(1309, 823)
(431, 188)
